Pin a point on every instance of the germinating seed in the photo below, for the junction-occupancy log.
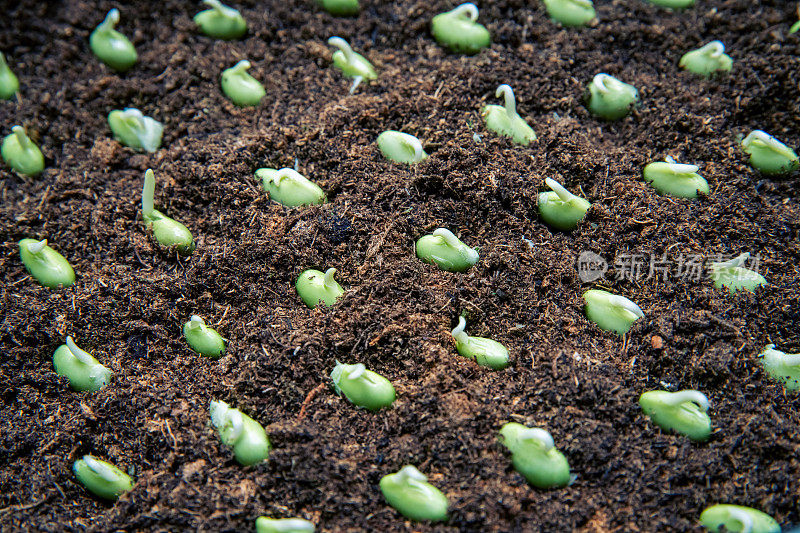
(247, 437)
(609, 98)
(560, 208)
(409, 492)
(314, 288)
(446, 251)
(21, 153)
(167, 232)
(47, 266)
(534, 455)
(610, 311)
(134, 130)
(9, 83)
(458, 30)
(401, 147)
(505, 120)
(485, 352)
(362, 387)
(110, 46)
(351, 64)
(683, 412)
(221, 21)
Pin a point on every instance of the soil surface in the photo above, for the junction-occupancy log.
(580, 383)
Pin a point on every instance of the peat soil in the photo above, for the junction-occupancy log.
(578, 382)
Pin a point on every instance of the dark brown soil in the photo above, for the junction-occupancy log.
(578, 382)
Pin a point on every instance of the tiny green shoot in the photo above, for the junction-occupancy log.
(341, 8)
(796, 26)
(768, 154)
(401, 147)
(242, 88)
(734, 276)
(409, 492)
(283, 525)
(458, 30)
(570, 12)
(290, 188)
(203, 339)
(314, 287)
(560, 208)
(362, 387)
(47, 266)
(707, 59)
(446, 251)
(133, 129)
(782, 366)
(485, 352)
(504, 120)
(738, 519)
(351, 64)
(610, 311)
(534, 455)
(683, 412)
(85, 373)
(247, 437)
(102, 478)
(167, 232)
(675, 179)
(609, 98)
(9, 83)
(21, 154)
(110, 46)
(221, 21)
(673, 4)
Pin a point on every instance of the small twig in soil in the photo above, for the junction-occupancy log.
(309, 398)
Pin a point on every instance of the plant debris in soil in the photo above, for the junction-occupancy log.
(567, 376)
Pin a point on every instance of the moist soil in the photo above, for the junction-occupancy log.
(580, 383)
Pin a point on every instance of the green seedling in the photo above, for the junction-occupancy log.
(485, 352)
(738, 519)
(341, 8)
(796, 26)
(707, 59)
(768, 155)
(167, 232)
(401, 147)
(504, 120)
(314, 287)
(673, 4)
(45, 264)
(610, 311)
(247, 437)
(609, 98)
(221, 21)
(446, 251)
(534, 455)
(9, 84)
(283, 525)
(570, 12)
(675, 179)
(782, 366)
(734, 276)
(351, 64)
(362, 387)
(290, 188)
(21, 154)
(457, 30)
(560, 208)
(110, 46)
(242, 88)
(409, 492)
(133, 129)
(683, 412)
(203, 339)
(101, 478)
(85, 373)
